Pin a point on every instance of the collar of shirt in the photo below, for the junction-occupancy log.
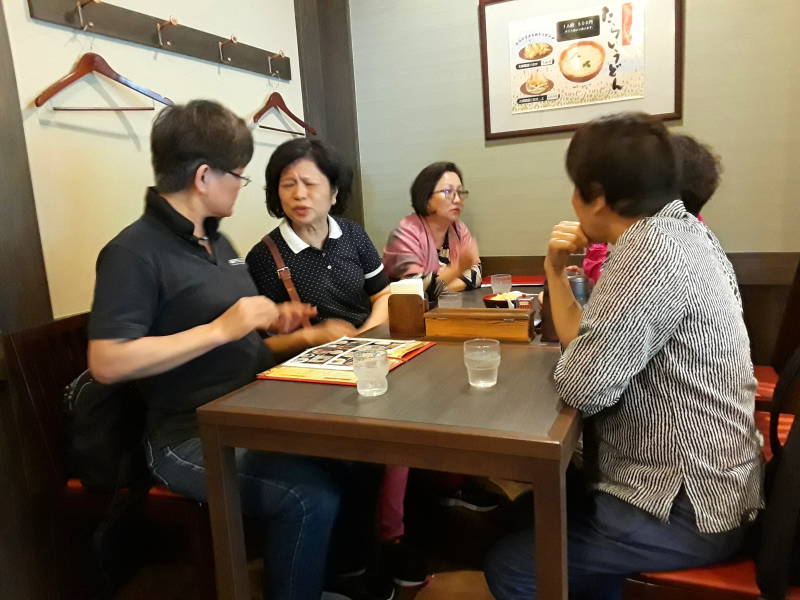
(157, 207)
(296, 244)
(672, 210)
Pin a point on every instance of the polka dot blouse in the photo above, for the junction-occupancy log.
(338, 279)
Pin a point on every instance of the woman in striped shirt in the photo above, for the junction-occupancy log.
(659, 359)
(700, 169)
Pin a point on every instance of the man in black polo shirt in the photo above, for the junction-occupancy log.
(175, 309)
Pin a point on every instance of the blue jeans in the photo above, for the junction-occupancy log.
(297, 498)
(609, 539)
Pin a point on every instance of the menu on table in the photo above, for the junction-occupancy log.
(333, 362)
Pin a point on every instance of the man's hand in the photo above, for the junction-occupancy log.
(566, 238)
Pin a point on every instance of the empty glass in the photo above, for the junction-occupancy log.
(482, 359)
(501, 284)
(370, 366)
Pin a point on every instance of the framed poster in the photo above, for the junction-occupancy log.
(551, 66)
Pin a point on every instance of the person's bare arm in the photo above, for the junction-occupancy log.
(287, 345)
(114, 360)
(566, 238)
(380, 310)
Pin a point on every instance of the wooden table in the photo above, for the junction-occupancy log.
(430, 418)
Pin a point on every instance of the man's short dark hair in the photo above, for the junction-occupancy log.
(700, 171)
(338, 173)
(628, 158)
(186, 136)
(425, 182)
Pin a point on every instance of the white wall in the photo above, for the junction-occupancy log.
(419, 97)
(90, 169)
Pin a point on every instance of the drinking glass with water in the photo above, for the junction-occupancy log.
(482, 359)
(501, 283)
(370, 366)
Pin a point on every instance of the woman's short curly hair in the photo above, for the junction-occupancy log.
(700, 171)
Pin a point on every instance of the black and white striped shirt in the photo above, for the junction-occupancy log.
(663, 353)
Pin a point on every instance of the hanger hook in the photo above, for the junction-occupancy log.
(275, 72)
(231, 40)
(79, 8)
(159, 26)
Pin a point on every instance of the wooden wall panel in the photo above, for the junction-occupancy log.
(24, 297)
(764, 306)
(329, 97)
(752, 268)
(789, 336)
(764, 279)
(26, 554)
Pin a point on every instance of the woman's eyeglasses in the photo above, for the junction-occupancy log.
(449, 194)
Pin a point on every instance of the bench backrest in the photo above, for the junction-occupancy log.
(42, 360)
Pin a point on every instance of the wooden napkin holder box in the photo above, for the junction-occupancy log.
(406, 315)
(504, 324)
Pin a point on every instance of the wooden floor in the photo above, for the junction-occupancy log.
(456, 548)
(174, 583)
(458, 585)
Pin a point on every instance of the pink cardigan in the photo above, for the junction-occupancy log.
(412, 251)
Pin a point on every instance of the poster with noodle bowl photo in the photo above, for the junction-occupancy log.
(549, 67)
(573, 58)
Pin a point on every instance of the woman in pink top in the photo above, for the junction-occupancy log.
(433, 243)
(700, 171)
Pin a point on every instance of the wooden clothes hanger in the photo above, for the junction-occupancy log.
(94, 63)
(275, 100)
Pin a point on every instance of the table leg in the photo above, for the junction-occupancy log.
(226, 517)
(550, 515)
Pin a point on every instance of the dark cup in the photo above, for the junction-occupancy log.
(580, 287)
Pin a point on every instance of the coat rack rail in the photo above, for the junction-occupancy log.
(123, 24)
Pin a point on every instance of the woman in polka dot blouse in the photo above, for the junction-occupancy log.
(333, 263)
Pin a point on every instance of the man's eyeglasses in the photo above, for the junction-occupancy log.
(243, 179)
(449, 194)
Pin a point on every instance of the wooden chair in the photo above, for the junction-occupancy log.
(734, 580)
(42, 361)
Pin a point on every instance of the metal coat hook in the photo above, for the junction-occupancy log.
(275, 72)
(159, 26)
(232, 40)
(79, 8)
(94, 18)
